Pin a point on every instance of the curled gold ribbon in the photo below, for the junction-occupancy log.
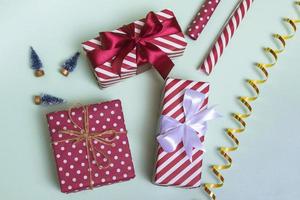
(240, 118)
(88, 137)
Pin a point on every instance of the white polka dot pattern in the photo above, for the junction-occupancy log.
(202, 18)
(71, 158)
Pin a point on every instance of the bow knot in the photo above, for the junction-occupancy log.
(172, 132)
(117, 45)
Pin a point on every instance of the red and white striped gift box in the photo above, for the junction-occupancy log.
(225, 35)
(175, 169)
(174, 45)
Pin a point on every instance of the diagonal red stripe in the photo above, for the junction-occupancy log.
(180, 168)
(189, 173)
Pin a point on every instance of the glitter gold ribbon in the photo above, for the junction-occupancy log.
(240, 118)
(88, 137)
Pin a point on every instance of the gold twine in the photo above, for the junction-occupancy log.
(246, 101)
(88, 137)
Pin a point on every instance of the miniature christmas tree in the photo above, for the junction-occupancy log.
(36, 63)
(46, 99)
(70, 64)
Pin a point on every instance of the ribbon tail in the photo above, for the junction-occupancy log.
(198, 120)
(125, 48)
(149, 53)
(164, 66)
(206, 115)
(191, 141)
(118, 60)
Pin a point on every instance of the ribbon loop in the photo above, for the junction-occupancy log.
(172, 132)
(192, 102)
(116, 46)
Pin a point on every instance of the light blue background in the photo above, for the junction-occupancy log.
(266, 167)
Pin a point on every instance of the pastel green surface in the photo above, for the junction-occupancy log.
(266, 166)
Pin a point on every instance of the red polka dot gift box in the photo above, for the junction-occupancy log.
(90, 146)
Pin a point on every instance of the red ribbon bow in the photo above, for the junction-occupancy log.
(116, 46)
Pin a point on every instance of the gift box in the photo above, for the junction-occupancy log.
(181, 133)
(90, 146)
(135, 47)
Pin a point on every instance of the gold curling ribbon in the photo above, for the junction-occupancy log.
(246, 101)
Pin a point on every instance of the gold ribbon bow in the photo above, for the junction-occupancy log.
(88, 137)
(246, 102)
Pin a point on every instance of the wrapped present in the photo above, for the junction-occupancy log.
(133, 48)
(181, 134)
(90, 146)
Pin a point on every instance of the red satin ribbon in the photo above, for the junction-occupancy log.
(116, 46)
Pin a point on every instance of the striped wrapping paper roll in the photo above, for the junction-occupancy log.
(175, 169)
(173, 45)
(225, 35)
(202, 18)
